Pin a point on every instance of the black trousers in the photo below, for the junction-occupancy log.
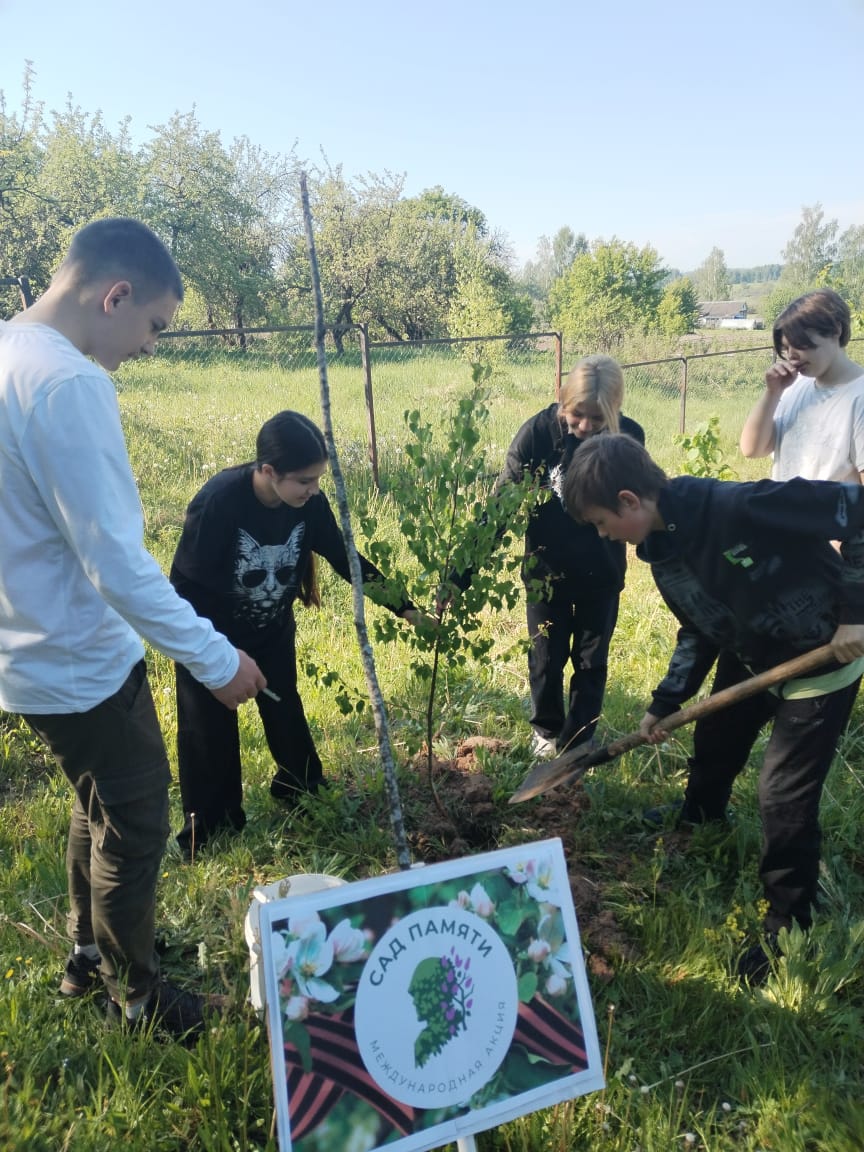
(574, 624)
(208, 741)
(114, 757)
(803, 740)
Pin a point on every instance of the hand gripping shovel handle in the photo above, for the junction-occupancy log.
(570, 766)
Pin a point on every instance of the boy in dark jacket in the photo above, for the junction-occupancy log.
(750, 573)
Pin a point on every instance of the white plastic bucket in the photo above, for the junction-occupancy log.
(300, 885)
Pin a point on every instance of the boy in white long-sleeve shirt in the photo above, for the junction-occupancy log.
(78, 589)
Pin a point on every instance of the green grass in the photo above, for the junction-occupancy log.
(693, 1060)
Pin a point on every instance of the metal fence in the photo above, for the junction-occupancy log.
(375, 378)
(372, 381)
(724, 383)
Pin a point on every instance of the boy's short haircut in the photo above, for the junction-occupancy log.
(604, 466)
(823, 311)
(124, 249)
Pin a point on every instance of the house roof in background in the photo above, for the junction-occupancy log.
(722, 309)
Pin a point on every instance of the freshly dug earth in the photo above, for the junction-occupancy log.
(460, 815)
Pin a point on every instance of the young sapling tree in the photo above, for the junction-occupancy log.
(453, 523)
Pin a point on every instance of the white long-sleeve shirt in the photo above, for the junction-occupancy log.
(77, 586)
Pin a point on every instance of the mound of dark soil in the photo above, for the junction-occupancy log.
(457, 814)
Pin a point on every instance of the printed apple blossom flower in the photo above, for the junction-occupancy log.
(538, 950)
(296, 1008)
(481, 901)
(522, 872)
(349, 944)
(309, 958)
(557, 959)
(282, 957)
(556, 984)
(301, 926)
(542, 884)
(551, 929)
(477, 900)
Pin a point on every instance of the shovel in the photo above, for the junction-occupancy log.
(571, 766)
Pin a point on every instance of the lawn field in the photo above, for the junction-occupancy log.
(693, 1060)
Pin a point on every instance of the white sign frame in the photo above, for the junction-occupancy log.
(351, 1018)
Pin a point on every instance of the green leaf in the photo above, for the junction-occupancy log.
(527, 987)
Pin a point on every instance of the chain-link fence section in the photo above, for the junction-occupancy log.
(675, 395)
(230, 381)
(525, 374)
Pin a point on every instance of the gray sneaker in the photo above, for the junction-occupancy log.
(543, 748)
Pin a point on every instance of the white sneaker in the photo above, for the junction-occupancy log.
(542, 748)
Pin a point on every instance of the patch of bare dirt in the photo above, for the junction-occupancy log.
(459, 815)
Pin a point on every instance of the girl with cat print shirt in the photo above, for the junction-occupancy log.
(247, 552)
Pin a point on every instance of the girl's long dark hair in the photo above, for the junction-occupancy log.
(290, 442)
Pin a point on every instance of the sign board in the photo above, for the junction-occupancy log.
(416, 1008)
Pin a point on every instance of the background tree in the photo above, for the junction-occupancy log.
(554, 257)
(209, 205)
(847, 277)
(780, 297)
(810, 253)
(678, 310)
(353, 222)
(440, 248)
(409, 268)
(711, 278)
(27, 218)
(606, 293)
(88, 171)
(757, 274)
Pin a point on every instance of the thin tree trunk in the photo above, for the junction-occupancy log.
(382, 726)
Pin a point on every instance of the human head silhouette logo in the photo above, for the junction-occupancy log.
(436, 1006)
(441, 989)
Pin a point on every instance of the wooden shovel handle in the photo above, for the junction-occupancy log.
(789, 670)
(570, 766)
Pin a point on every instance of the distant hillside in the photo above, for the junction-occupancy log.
(750, 285)
(755, 275)
(753, 294)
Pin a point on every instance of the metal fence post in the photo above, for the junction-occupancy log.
(682, 405)
(370, 402)
(559, 358)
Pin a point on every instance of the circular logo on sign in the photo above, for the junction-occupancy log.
(436, 1007)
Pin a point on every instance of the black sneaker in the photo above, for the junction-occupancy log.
(754, 965)
(664, 815)
(172, 1010)
(81, 975)
(286, 790)
(681, 814)
(196, 831)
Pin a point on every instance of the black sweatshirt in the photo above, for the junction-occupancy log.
(240, 563)
(564, 549)
(749, 568)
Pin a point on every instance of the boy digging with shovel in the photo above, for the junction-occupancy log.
(750, 573)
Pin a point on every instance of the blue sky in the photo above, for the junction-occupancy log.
(676, 123)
